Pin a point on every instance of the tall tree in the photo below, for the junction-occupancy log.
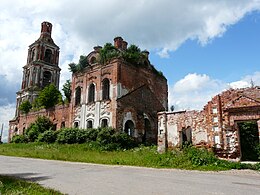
(25, 106)
(49, 97)
(67, 90)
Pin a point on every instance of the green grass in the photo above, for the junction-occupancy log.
(189, 158)
(13, 186)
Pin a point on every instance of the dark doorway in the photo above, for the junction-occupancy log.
(249, 140)
(186, 136)
(129, 128)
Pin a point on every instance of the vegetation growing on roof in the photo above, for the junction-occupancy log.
(107, 53)
(132, 54)
(83, 62)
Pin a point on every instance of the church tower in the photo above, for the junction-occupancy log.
(41, 68)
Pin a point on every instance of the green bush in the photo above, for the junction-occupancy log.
(19, 139)
(91, 135)
(72, 136)
(25, 106)
(41, 125)
(81, 136)
(32, 133)
(124, 141)
(199, 156)
(48, 136)
(67, 136)
(105, 135)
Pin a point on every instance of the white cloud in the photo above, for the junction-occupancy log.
(158, 25)
(195, 90)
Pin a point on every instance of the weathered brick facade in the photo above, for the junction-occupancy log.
(133, 100)
(118, 94)
(215, 126)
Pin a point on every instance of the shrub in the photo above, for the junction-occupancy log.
(81, 136)
(67, 136)
(32, 133)
(91, 135)
(199, 156)
(19, 139)
(48, 136)
(25, 106)
(41, 125)
(124, 141)
(105, 135)
(72, 136)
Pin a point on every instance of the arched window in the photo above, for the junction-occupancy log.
(47, 55)
(93, 60)
(62, 124)
(76, 124)
(91, 93)
(129, 128)
(104, 123)
(46, 78)
(77, 96)
(105, 89)
(89, 124)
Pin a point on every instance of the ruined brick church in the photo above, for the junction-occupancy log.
(117, 94)
(133, 99)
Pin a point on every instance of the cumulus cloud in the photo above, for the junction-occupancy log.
(158, 25)
(194, 90)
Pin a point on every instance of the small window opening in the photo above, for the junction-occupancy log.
(47, 56)
(91, 93)
(76, 124)
(62, 124)
(78, 96)
(89, 124)
(104, 123)
(46, 78)
(105, 89)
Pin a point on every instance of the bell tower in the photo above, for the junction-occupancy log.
(41, 68)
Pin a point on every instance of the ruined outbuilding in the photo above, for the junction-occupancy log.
(216, 126)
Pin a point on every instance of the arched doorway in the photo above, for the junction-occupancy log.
(129, 128)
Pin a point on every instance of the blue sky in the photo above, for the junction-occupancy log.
(202, 47)
(228, 58)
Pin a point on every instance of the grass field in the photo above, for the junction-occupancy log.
(12, 186)
(189, 158)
